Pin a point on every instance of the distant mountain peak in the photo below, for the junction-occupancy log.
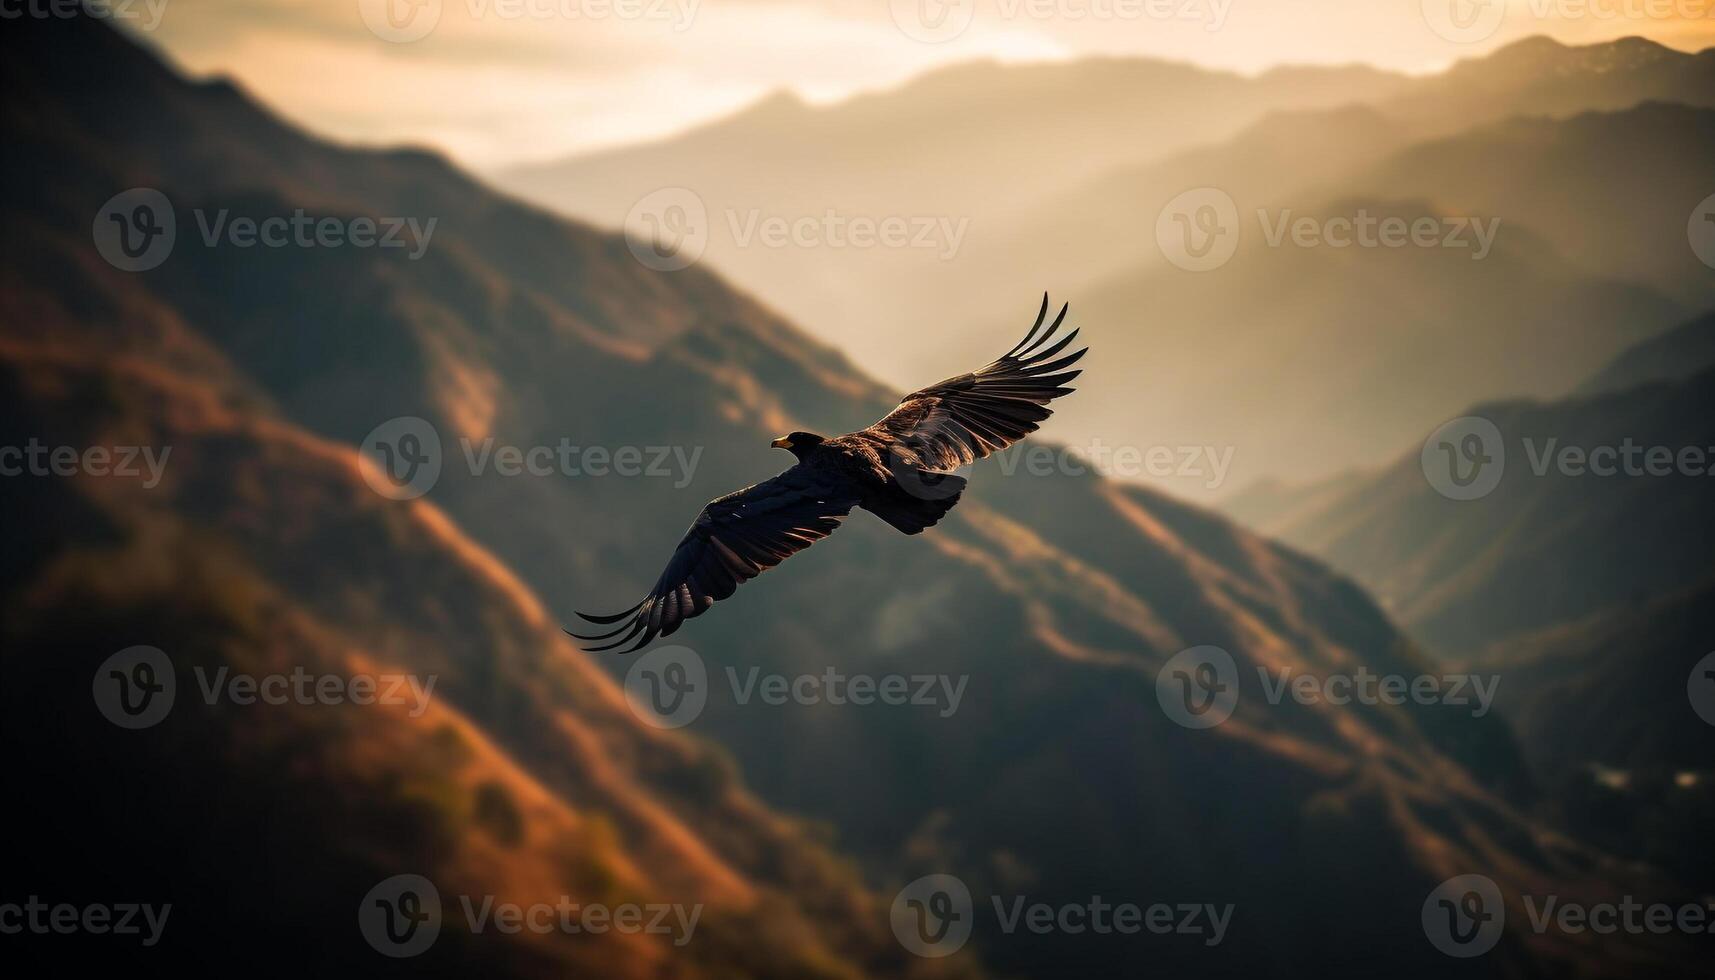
(1621, 54)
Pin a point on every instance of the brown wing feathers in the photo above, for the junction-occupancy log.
(733, 540)
(963, 419)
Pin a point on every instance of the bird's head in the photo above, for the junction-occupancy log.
(797, 443)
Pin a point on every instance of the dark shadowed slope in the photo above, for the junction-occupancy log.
(522, 776)
(1588, 595)
(1606, 708)
(1685, 350)
(1552, 542)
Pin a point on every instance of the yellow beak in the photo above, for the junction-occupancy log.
(781, 443)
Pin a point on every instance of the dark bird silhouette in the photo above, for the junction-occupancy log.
(897, 469)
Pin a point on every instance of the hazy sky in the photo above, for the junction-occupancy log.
(500, 81)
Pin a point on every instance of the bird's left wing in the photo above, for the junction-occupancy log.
(961, 420)
(736, 538)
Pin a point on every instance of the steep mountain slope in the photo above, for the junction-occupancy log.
(1057, 599)
(1552, 543)
(1307, 360)
(1267, 505)
(521, 776)
(1614, 191)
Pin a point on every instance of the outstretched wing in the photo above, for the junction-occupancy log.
(962, 419)
(734, 539)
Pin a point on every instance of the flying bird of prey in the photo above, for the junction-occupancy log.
(897, 469)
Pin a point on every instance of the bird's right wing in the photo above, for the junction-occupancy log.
(961, 420)
(735, 538)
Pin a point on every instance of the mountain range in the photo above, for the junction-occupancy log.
(1587, 160)
(1058, 599)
